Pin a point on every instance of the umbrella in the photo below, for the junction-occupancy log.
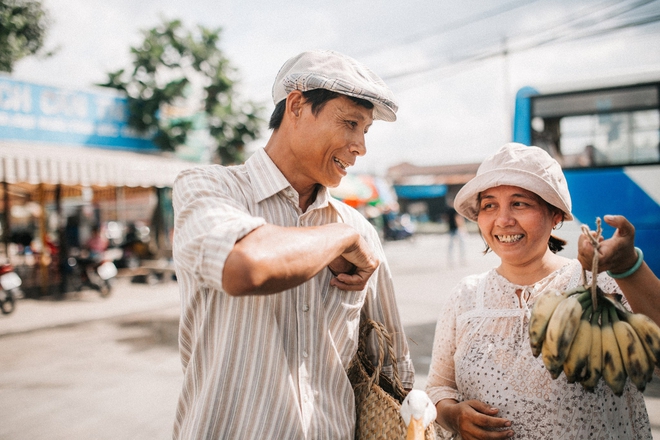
(356, 190)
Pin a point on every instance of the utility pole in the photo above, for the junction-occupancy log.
(508, 101)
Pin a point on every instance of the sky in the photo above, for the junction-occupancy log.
(453, 65)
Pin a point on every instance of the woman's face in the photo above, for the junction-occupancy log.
(516, 223)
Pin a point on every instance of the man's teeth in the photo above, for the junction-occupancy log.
(509, 238)
(343, 165)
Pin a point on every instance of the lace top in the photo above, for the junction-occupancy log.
(481, 351)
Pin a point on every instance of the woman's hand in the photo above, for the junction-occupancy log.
(473, 419)
(616, 254)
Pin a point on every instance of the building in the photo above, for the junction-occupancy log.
(425, 191)
(69, 162)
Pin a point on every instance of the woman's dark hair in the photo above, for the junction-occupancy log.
(318, 98)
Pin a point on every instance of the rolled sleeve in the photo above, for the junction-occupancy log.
(207, 225)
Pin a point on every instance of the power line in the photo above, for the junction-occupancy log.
(491, 53)
(451, 26)
(578, 16)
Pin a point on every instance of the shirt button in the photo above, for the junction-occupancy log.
(305, 308)
(305, 354)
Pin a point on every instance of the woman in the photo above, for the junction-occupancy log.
(484, 380)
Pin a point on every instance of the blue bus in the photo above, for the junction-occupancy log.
(608, 143)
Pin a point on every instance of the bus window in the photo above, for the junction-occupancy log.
(610, 139)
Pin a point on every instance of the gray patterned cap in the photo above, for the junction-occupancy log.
(330, 70)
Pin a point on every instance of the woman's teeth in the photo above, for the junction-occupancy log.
(509, 238)
(341, 164)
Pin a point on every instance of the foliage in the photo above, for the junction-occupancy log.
(177, 73)
(23, 26)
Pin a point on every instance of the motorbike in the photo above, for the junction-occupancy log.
(91, 273)
(10, 283)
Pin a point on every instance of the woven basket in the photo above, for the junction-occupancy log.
(377, 398)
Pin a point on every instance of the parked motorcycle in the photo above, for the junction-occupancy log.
(91, 273)
(11, 283)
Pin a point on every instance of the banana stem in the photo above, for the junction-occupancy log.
(613, 315)
(585, 298)
(605, 316)
(596, 314)
(620, 313)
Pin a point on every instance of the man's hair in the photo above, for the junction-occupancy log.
(318, 98)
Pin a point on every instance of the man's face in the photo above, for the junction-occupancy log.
(330, 141)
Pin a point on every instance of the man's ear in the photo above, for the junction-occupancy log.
(294, 103)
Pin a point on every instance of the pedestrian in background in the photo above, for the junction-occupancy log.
(274, 273)
(483, 378)
(456, 231)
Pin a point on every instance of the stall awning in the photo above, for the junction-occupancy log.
(69, 165)
(416, 192)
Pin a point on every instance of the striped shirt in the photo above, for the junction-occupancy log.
(273, 366)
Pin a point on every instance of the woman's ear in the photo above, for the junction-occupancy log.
(558, 219)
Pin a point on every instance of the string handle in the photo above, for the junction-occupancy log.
(595, 242)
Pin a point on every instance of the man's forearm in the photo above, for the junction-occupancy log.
(272, 258)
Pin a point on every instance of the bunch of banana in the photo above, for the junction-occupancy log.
(588, 343)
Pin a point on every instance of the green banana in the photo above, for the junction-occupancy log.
(633, 354)
(614, 373)
(576, 364)
(594, 367)
(559, 335)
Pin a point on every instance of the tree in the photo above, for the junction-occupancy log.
(178, 73)
(23, 26)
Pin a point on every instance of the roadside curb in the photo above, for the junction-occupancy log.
(126, 299)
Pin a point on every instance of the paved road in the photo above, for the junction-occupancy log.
(92, 368)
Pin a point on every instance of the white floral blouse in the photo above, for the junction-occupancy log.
(481, 351)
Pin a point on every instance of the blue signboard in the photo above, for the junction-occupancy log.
(32, 112)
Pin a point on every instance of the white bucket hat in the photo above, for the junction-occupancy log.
(326, 69)
(530, 168)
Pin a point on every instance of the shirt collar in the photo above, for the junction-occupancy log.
(268, 180)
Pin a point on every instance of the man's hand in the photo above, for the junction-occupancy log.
(341, 265)
(358, 263)
(473, 419)
(616, 254)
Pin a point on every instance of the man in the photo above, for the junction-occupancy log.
(274, 273)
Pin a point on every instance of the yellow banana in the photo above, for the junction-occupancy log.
(614, 373)
(541, 313)
(648, 332)
(576, 364)
(559, 335)
(633, 353)
(594, 367)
